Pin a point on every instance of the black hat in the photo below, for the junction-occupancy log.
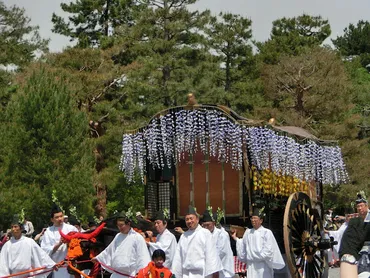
(192, 210)
(91, 222)
(55, 209)
(159, 253)
(16, 221)
(360, 199)
(208, 215)
(127, 216)
(259, 212)
(73, 220)
(162, 215)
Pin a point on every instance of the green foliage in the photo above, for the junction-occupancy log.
(18, 39)
(308, 89)
(355, 41)
(229, 37)
(92, 20)
(169, 54)
(290, 36)
(44, 147)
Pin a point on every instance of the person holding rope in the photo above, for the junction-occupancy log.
(53, 244)
(22, 256)
(127, 253)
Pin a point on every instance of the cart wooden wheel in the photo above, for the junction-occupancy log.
(302, 234)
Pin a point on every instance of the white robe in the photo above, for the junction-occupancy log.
(337, 235)
(127, 254)
(50, 238)
(196, 255)
(167, 242)
(223, 246)
(23, 254)
(259, 250)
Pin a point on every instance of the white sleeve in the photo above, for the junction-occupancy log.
(176, 267)
(142, 253)
(106, 256)
(241, 250)
(39, 257)
(212, 262)
(47, 244)
(4, 264)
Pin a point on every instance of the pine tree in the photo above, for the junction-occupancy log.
(292, 35)
(18, 39)
(93, 22)
(44, 147)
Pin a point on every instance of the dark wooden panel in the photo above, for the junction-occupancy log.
(183, 185)
(215, 183)
(200, 187)
(232, 190)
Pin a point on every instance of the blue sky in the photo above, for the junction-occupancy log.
(262, 12)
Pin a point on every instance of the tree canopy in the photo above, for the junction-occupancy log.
(355, 41)
(292, 35)
(19, 40)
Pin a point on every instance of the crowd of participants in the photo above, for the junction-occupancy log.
(203, 250)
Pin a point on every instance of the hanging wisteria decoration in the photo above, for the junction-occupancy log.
(167, 139)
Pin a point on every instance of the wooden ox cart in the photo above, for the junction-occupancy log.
(208, 155)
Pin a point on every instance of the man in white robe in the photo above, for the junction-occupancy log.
(223, 246)
(21, 254)
(53, 244)
(196, 254)
(127, 253)
(259, 249)
(165, 239)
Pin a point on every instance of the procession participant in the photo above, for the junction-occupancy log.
(355, 242)
(66, 219)
(337, 236)
(77, 223)
(28, 227)
(258, 249)
(222, 240)
(196, 254)
(156, 268)
(92, 224)
(21, 254)
(53, 244)
(165, 240)
(40, 235)
(127, 253)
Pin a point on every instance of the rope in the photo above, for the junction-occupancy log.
(43, 272)
(111, 269)
(77, 270)
(24, 272)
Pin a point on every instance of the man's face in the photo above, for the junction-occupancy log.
(209, 226)
(57, 219)
(16, 230)
(123, 227)
(159, 226)
(158, 262)
(191, 221)
(362, 209)
(256, 222)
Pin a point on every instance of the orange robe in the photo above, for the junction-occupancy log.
(151, 271)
